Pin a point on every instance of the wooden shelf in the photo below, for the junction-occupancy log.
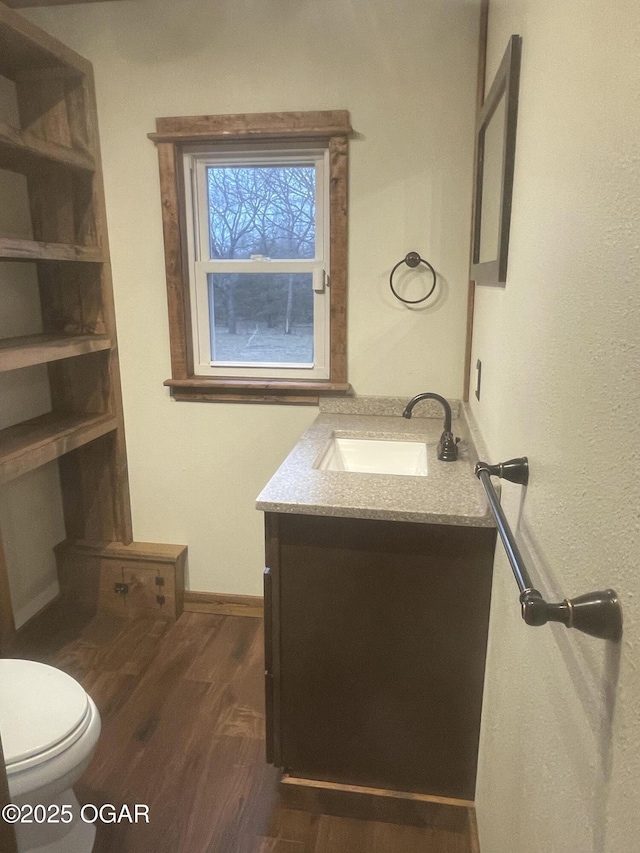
(25, 48)
(55, 144)
(36, 442)
(40, 349)
(32, 250)
(23, 152)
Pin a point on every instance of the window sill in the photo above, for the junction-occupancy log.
(205, 390)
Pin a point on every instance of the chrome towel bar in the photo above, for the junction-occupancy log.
(596, 613)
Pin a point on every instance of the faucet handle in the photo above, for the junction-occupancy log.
(448, 447)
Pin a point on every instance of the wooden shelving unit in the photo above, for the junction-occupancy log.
(30, 350)
(35, 442)
(56, 148)
(38, 250)
(25, 152)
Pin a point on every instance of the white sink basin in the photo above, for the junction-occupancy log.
(375, 456)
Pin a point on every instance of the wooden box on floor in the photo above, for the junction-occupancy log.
(128, 580)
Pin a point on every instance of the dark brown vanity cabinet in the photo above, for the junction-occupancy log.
(375, 636)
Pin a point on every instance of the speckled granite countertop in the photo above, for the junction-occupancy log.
(449, 494)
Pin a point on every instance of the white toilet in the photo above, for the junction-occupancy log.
(49, 727)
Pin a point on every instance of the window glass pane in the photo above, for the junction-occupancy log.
(261, 317)
(261, 210)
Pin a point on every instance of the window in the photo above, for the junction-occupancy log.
(254, 218)
(259, 262)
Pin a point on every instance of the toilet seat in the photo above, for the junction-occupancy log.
(43, 712)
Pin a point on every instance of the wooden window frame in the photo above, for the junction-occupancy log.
(330, 129)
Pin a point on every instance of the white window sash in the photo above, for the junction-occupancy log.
(256, 267)
(199, 164)
(263, 370)
(198, 247)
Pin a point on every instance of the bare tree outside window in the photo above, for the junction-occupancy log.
(269, 212)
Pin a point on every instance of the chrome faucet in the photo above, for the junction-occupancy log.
(448, 445)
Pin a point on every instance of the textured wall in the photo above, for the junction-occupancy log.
(406, 71)
(560, 763)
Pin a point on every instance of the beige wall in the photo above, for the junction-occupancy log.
(406, 71)
(560, 758)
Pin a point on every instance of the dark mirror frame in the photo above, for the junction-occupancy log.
(506, 83)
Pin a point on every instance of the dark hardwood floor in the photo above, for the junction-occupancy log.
(183, 732)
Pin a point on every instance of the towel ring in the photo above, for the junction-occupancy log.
(413, 259)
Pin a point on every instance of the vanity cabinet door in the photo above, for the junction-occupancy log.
(381, 641)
